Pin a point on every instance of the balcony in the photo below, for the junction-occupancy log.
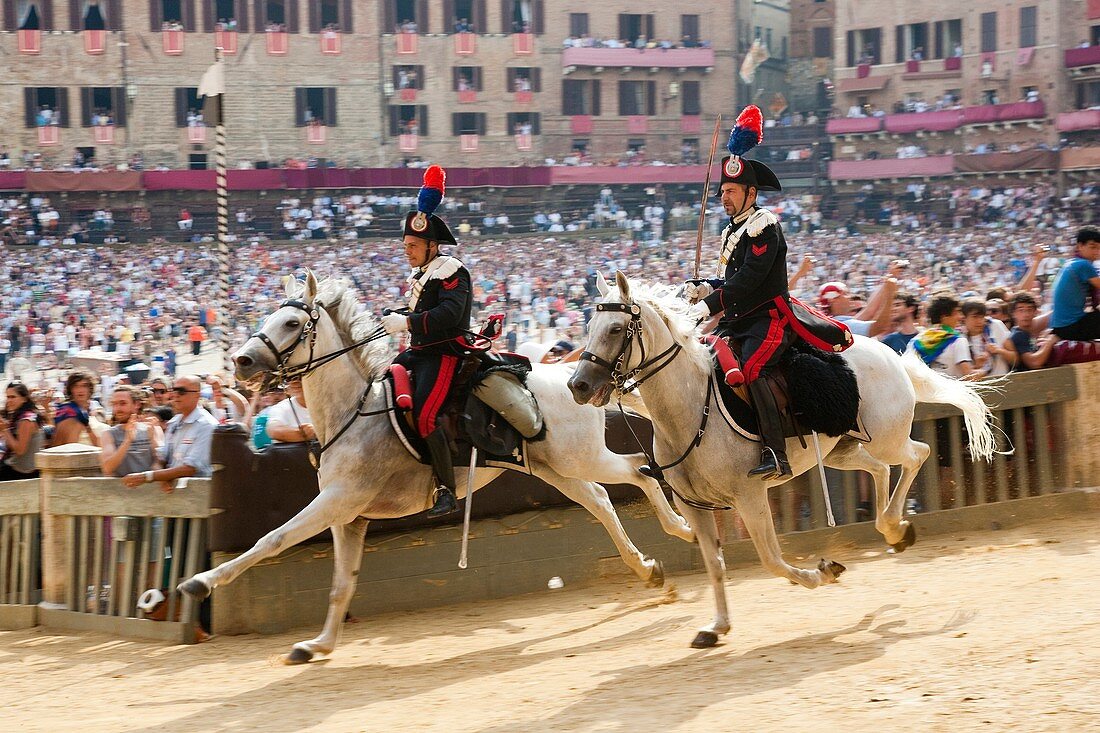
(331, 43)
(941, 121)
(523, 44)
(95, 42)
(226, 42)
(407, 43)
(467, 96)
(863, 170)
(196, 134)
(468, 143)
(671, 58)
(989, 114)
(49, 135)
(465, 44)
(172, 42)
(1084, 119)
(407, 143)
(278, 43)
(104, 134)
(853, 125)
(948, 68)
(1078, 57)
(523, 142)
(316, 134)
(30, 42)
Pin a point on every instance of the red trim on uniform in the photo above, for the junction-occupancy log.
(806, 334)
(438, 394)
(767, 349)
(450, 284)
(758, 251)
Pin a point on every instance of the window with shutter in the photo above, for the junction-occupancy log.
(690, 102)
(30, 106)
(989, 32)
(651, 98)
(578, 25)
(329, 99)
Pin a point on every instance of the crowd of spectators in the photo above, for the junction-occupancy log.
(640, 42)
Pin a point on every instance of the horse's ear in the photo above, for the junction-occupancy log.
(290, 285)
(601, 285)
(311, 287)
(623, 283)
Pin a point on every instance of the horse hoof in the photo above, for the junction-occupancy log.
(831, 568)
(907, 540)
(657, 577)
(704, 640)
(298, 656)
(194, 588)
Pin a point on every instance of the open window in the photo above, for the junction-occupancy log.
(523, 123)
(464, 16)
(29, 15)
(580, 97)
(466, 79)
(103, 106)
(522, 16)
(172, 15)
(633, 26)
(188, 107)
(524, 79)
(468, 123)
(405, 16)
(315, 106)
(408, 77)
(277, 16)
(46, 106)
(95, 15)
(408, 119)
(330, 15)
(864, 46)
(225, 16)
(691, 98)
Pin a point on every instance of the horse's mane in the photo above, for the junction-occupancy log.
(352, 322)
(672, 309)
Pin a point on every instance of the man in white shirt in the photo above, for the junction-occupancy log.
(289, 421)
(985, 337)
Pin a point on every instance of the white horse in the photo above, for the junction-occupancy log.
(651, 320)
(366, 473)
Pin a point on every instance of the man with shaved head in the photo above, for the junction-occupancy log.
(186, 449)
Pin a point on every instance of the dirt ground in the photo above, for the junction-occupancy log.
(990, 631)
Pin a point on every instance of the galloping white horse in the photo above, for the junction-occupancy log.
(651, 320)
(367, 474)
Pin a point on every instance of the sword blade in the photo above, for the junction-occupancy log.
(469, 504)
(706, 195)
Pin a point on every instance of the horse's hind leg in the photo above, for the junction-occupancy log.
(347, 545)
(850, 455)
(613, 468)
(706, 532)
(914, 454)
(756, 514)
(328, 509)
(593, 497)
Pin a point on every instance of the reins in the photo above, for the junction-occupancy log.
(627, 380)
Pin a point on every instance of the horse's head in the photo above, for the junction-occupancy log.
(613, 331)
(283, 334)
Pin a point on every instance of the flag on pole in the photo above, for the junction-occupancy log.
(212, 90)
(757, 55)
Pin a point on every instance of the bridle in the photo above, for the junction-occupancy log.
(626, 380)
(623, 378)
(287, 372)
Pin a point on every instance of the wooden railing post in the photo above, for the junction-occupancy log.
(1081, 419)
(65, 461)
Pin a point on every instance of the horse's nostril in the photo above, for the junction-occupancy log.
(580, 386)
(243, 361)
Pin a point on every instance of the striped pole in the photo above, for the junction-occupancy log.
(213, 88)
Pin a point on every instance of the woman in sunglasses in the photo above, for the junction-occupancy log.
(158, 392)
(21, 432)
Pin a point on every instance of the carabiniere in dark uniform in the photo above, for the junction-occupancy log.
(438, 319)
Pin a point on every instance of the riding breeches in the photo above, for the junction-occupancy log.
(764, 339)
(433, 375)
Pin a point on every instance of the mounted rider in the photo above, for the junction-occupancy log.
(750, 290)
(438, 319)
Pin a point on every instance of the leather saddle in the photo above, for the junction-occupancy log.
(813, 389)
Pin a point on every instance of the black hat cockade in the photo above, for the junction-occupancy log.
(423, 222)
(747, 133)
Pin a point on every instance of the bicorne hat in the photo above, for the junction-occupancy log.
(746, 134)
(423, 222)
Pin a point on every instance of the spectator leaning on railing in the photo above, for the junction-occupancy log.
(1078, 281)
(1022, 350)
(289, 421)
(21, 432)
(186, 450)
(130, 446)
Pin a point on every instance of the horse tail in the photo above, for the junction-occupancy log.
(967, 396)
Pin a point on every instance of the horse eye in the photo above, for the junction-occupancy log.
(616, 329)
(292, 324)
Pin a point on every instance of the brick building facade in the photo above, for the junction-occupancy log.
(364, 83)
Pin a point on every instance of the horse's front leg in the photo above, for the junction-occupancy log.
(612, 468)
(706, 532)
(332, 507)
(347, 545)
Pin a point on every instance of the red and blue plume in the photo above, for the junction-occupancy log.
(431, 193)
(747, 132)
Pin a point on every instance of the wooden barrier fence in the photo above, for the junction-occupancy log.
(20, 590)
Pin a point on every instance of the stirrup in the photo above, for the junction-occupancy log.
(445, 502)
(771, 466)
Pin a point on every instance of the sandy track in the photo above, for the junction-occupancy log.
(991, 631)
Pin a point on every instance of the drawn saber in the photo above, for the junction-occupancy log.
(469, 504)
(706, 195)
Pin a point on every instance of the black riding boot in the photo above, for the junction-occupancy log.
(773, 457)
(443, 467)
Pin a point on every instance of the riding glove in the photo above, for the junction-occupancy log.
(395, 323)
(695, 292)
(699, 312)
